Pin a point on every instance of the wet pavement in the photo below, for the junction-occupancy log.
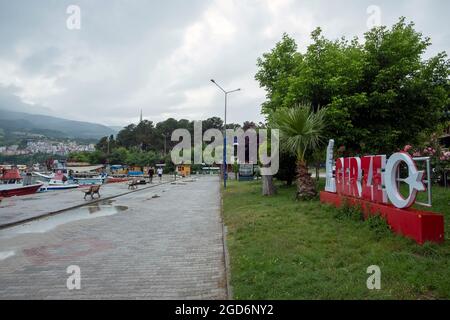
(17, 209)
(159, 243)
(99, 209)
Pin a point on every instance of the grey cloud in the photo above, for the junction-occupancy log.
(159, 55)
(9, 101)
(43, 61)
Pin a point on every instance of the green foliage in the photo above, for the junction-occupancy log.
(147, 136)
(97, 157)
(106, 144)
(28, 159)
(119, 156)
(212, 123)
(80, 157)
(143, 144)
(301, 129)
(286, 172)
(376, 94)
(375, 223)
(275, 70)
(378, 225)
(147, 144)
(141, 158)
(349, 212)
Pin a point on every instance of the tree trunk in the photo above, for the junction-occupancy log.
(289, 181)
(306, 188)
(268, 188)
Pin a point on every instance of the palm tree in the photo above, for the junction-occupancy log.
(301, 132)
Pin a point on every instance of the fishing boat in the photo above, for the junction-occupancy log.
(45, 177)
(11, 184)
(59, 182)
(86, 179)
(113, 179)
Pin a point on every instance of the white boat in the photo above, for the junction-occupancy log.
(52, 185)
(59, 182)
(92, 180)
(46, 177)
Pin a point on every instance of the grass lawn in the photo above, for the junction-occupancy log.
(284, 249)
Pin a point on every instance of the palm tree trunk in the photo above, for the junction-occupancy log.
(268, 188)
(306, 188)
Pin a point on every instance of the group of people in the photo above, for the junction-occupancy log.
(151, 173)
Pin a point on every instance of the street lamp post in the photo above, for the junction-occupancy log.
(165, 139)
(225, 174)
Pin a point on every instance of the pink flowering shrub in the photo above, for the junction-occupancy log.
(440, 158)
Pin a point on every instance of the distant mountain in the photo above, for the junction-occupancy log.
(51, 126)
(116, 128)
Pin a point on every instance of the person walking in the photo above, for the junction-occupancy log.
(151, 172)
(160, 173)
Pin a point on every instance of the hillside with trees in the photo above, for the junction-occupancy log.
(146, 142)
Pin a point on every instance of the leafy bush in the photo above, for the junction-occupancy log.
(349, 212)
(378, 225)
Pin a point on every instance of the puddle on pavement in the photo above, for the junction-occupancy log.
(101, 209)
(6, 254)
(154, 196)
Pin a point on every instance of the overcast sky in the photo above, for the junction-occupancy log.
(159, 56)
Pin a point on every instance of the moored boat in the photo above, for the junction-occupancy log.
(10, 190)
(11, 184)
(61, 186)
(116, 179)
(87, 181)
(59, 182)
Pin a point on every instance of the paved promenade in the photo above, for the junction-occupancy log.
(16, 209)
(159, 243)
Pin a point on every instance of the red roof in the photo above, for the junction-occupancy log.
(10, 174)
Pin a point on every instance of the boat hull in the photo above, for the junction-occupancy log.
(89, 182)
(19, 190)
(116, 180)
(60, 187)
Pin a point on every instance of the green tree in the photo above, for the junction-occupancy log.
(106, 144)
(249, 125)
(126, 137)
(79, 157)
(276, 69)
(378, 96)
(97, 157)
(288, 167)
(118, 156)
(164, 131)
(212, 123)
